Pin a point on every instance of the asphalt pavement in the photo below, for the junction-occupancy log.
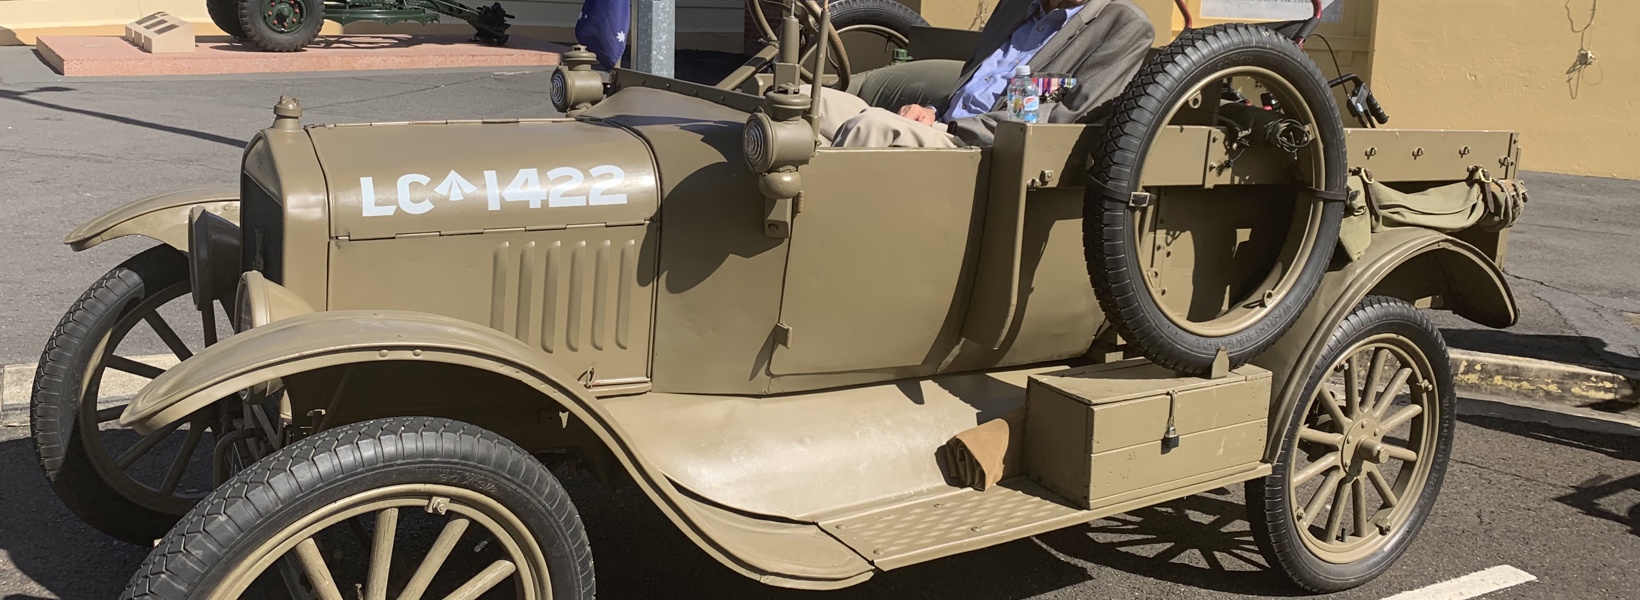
(1560, 504)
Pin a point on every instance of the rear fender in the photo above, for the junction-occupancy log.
(307, 342)
(163, 217)
(1407, 263)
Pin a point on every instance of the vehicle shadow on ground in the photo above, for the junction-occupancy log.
(640, 554)
(1573, 349)
(1201, 541)
(1601, 497)
(49, 545)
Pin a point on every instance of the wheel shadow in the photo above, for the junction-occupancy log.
(1579, 350)
(53, 553)
(1200, 541)
(1602, 496)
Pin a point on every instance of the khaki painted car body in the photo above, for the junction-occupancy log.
(775, 396)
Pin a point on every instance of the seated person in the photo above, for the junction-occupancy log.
(1101, 43)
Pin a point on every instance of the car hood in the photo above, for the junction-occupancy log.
(388, 180)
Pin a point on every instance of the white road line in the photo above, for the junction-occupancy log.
(1469, 586)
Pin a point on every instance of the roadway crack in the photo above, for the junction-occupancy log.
(110, 159)
(1552, 287)
(394, 94)
(1509, 474)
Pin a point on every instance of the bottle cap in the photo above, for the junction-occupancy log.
(1022, 70)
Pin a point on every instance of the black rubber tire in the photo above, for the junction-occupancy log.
(54, 407)
(1108, 232)
(1269, 507)
(332, 465)
(225, 14)
(884, 13)
(266, 38)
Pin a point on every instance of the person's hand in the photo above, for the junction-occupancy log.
(918, 113)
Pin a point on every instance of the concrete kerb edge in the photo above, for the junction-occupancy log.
(1498, 376)
(17, 387)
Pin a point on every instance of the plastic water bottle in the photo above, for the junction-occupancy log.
(1023, 97)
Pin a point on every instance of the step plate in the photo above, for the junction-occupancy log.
(957, 521)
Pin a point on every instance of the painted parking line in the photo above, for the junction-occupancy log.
(1469, 586)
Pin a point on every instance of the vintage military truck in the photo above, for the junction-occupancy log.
(819, 363)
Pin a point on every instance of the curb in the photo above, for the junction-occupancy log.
(1501, 376)
(17, 387)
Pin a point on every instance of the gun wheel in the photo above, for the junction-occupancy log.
(281, 25)
(1363, 454)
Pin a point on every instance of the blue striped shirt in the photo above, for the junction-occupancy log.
(990, 80)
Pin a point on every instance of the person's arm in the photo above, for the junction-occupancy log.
(1120, 41)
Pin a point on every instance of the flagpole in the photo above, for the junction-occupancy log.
(656, 36)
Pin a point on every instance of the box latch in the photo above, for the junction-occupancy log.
(1170, 440)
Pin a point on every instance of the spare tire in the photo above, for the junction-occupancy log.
(1182, 85)
(871, 30)
(887, 14)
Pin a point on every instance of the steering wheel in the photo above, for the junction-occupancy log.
(811, 28)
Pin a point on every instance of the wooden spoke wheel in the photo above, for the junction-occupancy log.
(407, 508)
(1363, 453)
(127, 485)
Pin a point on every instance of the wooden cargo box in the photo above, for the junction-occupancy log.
(1099, 435)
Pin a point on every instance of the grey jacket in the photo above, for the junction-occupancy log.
(1102, 46)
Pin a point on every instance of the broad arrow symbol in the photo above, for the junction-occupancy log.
(454, 186)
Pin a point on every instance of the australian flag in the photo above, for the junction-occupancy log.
(602, 29)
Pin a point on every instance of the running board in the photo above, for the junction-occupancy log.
(961, 519)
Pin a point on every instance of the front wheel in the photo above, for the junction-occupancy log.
(132, 487)
(353, 508)
(1363, 452)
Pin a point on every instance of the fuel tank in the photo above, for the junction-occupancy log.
(396, 179)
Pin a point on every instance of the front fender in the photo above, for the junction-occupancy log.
(163, 217)
(1407, 263)
(311, 341)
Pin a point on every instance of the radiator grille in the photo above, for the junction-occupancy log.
(262, 219)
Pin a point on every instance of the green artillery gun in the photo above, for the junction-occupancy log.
(290, 25)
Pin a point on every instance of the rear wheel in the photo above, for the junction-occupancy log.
(130, 486)
(281, 25)
(1362, 455)
(349, 512)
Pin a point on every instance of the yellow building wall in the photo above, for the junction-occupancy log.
(1486, 64)
(1471, 64)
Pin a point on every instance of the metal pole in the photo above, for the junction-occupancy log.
(656, 36)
